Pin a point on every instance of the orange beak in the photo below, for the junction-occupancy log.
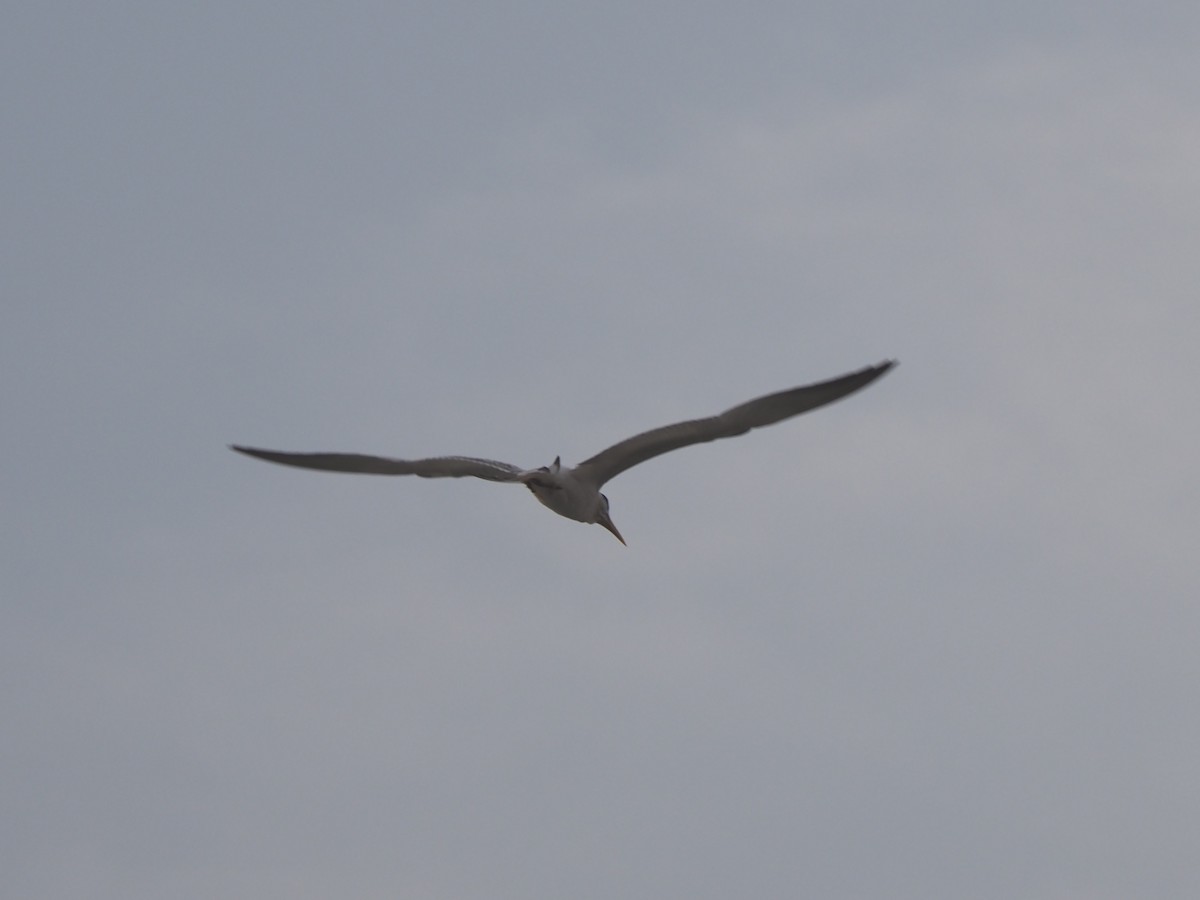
(603, 519)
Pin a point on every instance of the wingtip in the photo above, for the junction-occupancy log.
(880, 369)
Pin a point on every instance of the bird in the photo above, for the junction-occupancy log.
(575, 492)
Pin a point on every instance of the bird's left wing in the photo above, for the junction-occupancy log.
(753, 414)
(436, 467)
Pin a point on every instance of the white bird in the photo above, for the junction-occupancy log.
(575, 493)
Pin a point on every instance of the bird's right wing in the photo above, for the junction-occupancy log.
(753, 414)
(436, 467)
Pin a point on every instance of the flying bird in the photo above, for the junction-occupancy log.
(575, 493)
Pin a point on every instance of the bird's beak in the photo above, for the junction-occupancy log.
(607, 522)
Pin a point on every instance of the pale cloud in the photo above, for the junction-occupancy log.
(937, 640)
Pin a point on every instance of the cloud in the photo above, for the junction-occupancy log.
(935, 640)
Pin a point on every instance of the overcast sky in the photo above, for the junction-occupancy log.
(939, 640)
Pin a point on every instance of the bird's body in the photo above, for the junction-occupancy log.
(564, 493)
(575, 493)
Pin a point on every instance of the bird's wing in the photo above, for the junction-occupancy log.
(437, 467)
(756, 413)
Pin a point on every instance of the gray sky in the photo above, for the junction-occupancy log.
(937, 641)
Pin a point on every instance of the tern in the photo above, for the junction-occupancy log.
(575, 493)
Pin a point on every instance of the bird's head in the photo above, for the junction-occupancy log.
(603, 518)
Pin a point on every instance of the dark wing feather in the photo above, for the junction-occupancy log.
(436, 467)
(756, 413)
